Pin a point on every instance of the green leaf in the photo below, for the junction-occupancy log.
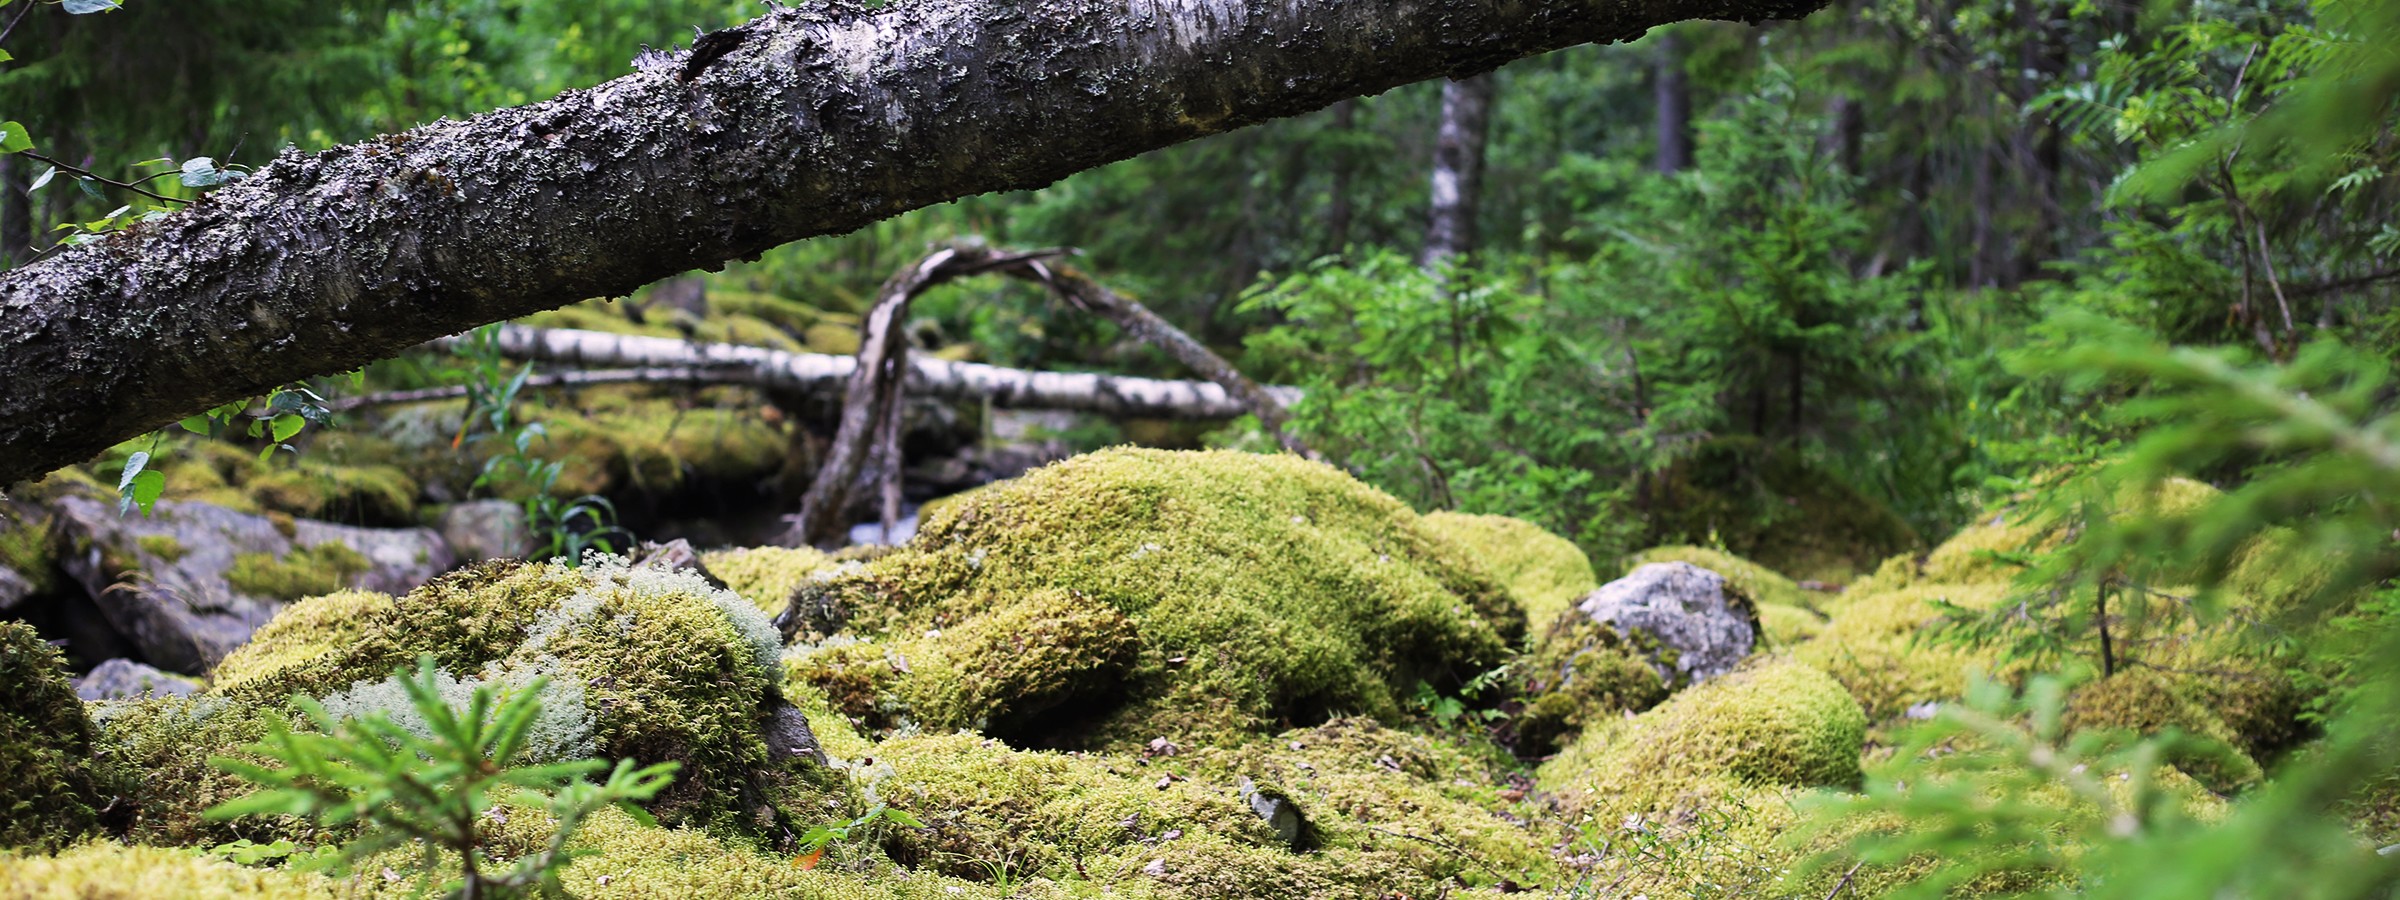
(42, 179)
(133, 466)
(5, 56)
(84, 7)
(195, 424)
(202, 171)
(14, 138)
(91, 186)
(287, 425)
(638, 814)
(146, 488)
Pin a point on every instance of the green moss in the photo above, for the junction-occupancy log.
(833, 338)
(309, 630)
(163, 546)
(765, 576)
(1775, 723)
(1580, 673)
(164, 743)
(1879, 646)
(599, 315)
(1264, 589)
(1761, 586)
(1545, 572)
(25, 544)
(672, 669)
(315, 488)
(619, 439)
(1769, 504)
(2149, 703)
(304, 572)
(1030, 655)
(54, 789)
(1789, 626)
(104, 870)
(749, 331)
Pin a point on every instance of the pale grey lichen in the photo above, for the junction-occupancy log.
(562, 730)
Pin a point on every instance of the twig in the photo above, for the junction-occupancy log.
(1845, 882)
(79, 171)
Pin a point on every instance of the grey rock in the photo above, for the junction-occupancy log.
(181, 612)
(1683, 608)
(788, 734)
(478, 530)
(124, 679)
(1280, 813)
(14, 588)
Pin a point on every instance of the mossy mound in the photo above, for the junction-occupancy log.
(1545, 572)
(1385, 811)
(2149, 703)
(765, 576)
(670, 668)
(103, 870)
(1883, 646)
(1580, 673)
(54, 791)
(1769, 504)
(304, 572)
(1263, 591)
(623, 438)
(1774, 723)
(352, 477)
(164, 744)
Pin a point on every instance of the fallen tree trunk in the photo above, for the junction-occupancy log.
(802, 122)
(1111, 395)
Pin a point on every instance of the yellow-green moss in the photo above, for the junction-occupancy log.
(1030, 655)
(1774, 723)
(749, 331)
(104, 870)
(765, 576)
(315, 488)
(304, 572)
(672, 669)
(164, 744)
(1789, 626)
(1545, 572)
(616, 440)
(2148, 703)
(829, 337)
(309, 630)
(164, 546)
(25, 544)
(1878, 647)
(1578, 673)
(53, 790)
(1264, 589)
(600, 315)
(1762, 586)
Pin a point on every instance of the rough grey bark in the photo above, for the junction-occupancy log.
(1457, 168)
(1114, 395)
(1672, 91)
(802, 122)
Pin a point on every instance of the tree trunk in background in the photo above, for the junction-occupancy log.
(16, 211)
(1338, 209)
(1457, 168)
(1673, 93)
(803, 122)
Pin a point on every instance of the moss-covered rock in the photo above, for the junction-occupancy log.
(1264, 590)
(765, 576)
(1762, 586)
(1775, 723)
(2148, 703)
(104, 870)
(1580, 673)
(1545, 572)
(163, 745)
(54, 790)
(1882, 646)
(304, 572)
(670, 668)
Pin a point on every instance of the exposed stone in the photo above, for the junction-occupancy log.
(1696, 631)
(14, 588)
(1280, 813)
(168, 580)
(788, 734)
(124, 679)
(478, 530)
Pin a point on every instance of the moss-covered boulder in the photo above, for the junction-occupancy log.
(668, 667)
(1580, 673)
(2150, 702)
(54, 791)
(766, 576)
(1778, 723)
(1545, 572)
(1254, 592)
(163, 745)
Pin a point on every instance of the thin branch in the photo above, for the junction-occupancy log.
(82, 172)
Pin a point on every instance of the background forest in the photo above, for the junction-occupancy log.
(1815, 293)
